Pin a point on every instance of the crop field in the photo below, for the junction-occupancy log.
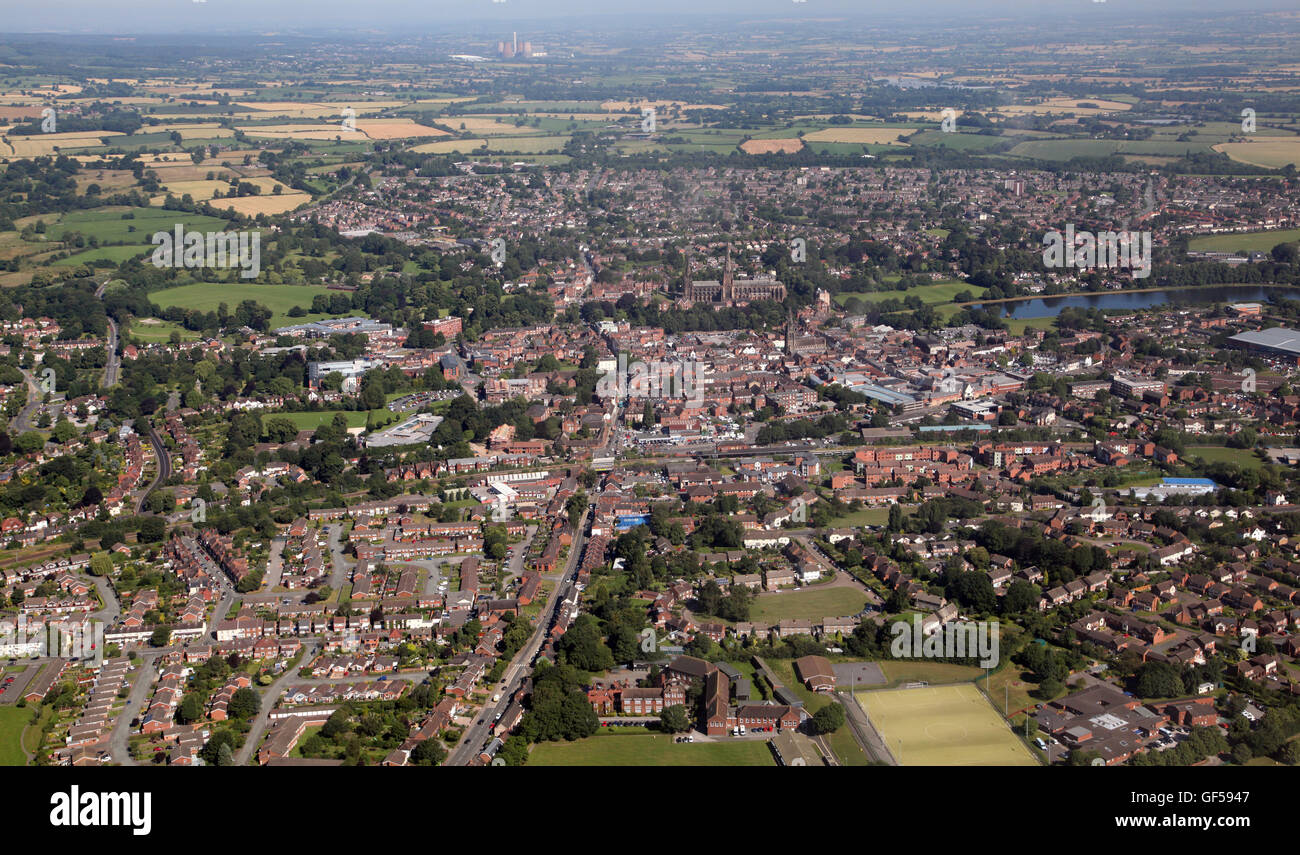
(878, 136)
(251, 206)
(1272, 152)
(943, 726)
(778, 146)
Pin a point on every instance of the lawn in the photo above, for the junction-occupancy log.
(916, 670)
(1243, 457)
(939, 292)
(635, 747)
(866, 516)
(943, 726)
(1008, 687)
(808, 604)
(155, 331)
(12, 721)
(207, 296)
(1244, 242)
(313, 420)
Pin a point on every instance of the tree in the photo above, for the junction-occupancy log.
(895, 518)
(828, 719)
(581, 646)
(153, 529)
(245, 703)
(674, 719)
(191, 709)
(161, 637)
(430, 752)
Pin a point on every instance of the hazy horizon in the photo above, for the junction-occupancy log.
(400, 16)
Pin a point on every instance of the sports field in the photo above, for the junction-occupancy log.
(635, 747)
(943, 726)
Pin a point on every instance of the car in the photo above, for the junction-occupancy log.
(381, 679)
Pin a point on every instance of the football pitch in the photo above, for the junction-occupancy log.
(943, 726)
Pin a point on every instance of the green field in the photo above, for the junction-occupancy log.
(943, 726)
(313, 420)
(866, 516)
(1245, 242)
(915, 670)
(129, 225)
(634, 747)
(1243, 457)
(939, 292)
(12, 721)
(808, 604)
(207, 296)
(116, 254)
(159, 332)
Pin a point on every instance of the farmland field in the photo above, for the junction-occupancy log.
(787, 146)
(650, 749)
(943, 726)
(1271, 152)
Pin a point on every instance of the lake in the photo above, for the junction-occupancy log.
(1050, 307)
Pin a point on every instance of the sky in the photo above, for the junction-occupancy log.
(127, 17)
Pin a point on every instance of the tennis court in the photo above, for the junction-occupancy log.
(943, 726)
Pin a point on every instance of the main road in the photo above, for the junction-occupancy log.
(164, 467)
(477, 735)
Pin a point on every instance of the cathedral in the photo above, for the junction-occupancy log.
(729, 292)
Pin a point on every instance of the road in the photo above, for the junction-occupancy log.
(112, 610)
(23, 421)
(164, 467)
(478, 734)
(113, 367)
(141, 691)
(340, 567)
(257, 727)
